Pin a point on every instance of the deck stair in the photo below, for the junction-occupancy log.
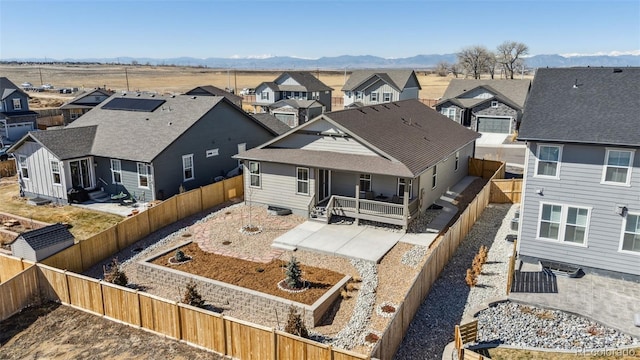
(99, 196)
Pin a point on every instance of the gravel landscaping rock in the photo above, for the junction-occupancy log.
(414, 256)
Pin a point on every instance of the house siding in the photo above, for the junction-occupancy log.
(579, 185)
(129, 178)
(457, 118)
(268, 90)
(40, 179)
(479, 93)
(325, 99)
(20, 248)
(409, 93)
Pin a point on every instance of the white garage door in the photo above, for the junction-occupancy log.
(494, 125)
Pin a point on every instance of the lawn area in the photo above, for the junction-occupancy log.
(512, 354)
(85, 222)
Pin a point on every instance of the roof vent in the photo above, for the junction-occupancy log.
(193, 97)
(138, 94)
(362, 111)
(617, 70)
(172, 96)
(169, 123)
(153, 95)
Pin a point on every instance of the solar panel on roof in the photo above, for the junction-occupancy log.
(133, 104)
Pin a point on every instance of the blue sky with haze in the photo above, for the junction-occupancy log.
(310, 29)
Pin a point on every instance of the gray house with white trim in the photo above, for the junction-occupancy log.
(371, 87)
(15, 117)
(385, 162)
(144, 146)
(84, 102)
(581, 202)
(293, 85)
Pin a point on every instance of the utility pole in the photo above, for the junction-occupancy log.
(126, 75)
(235, 81)
(40, 71)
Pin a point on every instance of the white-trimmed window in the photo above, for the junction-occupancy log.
(434, 177)
(617, 167)
(402, 185)
(24, 168)
(359, 95)
(548, 161)
(302, 181)
(449, 112)
(386, 96)
(494, 104)
(17, 104)
(365, 182)
(374, 97)
(457, 164)
(144, 172)
(564, 223)
(187, 167)
(116, 171)
(254, 174)
(264, 95)
(631, 234)
(348, 93)
(55, 172)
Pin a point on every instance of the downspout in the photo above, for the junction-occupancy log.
(152, 183)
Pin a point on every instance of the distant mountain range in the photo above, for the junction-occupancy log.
(345, 61)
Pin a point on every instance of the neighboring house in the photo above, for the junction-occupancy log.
(382, 162)
(272, 123)
(82, 103)
(210, 90)
(581, 202)
(295, 85)
(486, 106)
(15, 117)
(370, 87)
(294, 112)
(39, 244)
(149, 147)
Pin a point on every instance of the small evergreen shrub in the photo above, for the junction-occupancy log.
(294, 274)
(180, 256)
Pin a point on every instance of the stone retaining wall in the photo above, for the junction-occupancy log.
(249, 301)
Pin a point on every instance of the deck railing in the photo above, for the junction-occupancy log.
(379, 207)
(381, 211)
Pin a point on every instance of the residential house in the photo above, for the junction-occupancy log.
(39, 244)
(485, 105)
(295, 112)
(145, 146)
(272, 123)
(382, 162)
(82, 103)
(295, 85)
(15, 117)
(210, 90)
(370, 87)
(580, 200)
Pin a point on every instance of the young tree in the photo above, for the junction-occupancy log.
(474, 59)
(509, 55)
(294, 274)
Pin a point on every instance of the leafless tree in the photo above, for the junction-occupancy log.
(442, 68)
(456, 69)
(492, 63)
(509, 52)
(474, 59)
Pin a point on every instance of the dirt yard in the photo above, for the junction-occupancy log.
(55, 331)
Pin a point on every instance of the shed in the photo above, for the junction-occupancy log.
(39, 244)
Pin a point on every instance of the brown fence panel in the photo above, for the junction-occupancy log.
(53, 284)
(233, 187)
(10, 266)
(202, 328)
(132, 229)
(212, 195)
(85, 293)
(7, 168)
(67, 259)
(163, 214)
(18, 292)
(339, 354)
(248, 341)
(159, 315)
(506, 190)
(98, 247)
(121, 303)
(189, 203)
(291, 347)
(485, 168)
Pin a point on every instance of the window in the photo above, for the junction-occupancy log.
(359, 95)
(264, 95)
(374, 97)
(494, 104)
(617, 167)
(548, 160)
(17, 105)
(434, 177)
(565, 223)
(296, 94)
(365, 182)
(116, 171)
(24, 169)
(349, 94)
(187, 167)
(386, 97)
(303, 181)
(449, 112)
(144, 172)
(55, 172)
(457, 164)
(212, 152)
(402, 185)
(254, 174)
(631, 234)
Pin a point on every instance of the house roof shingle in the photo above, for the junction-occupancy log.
(396, 78)
(72, 104)
(46, 236)
(307, 80)
(66, 143)
(7, 88)
(216, 91)
(296, 104)
(514, 90)
(584, 105)
(272, 123)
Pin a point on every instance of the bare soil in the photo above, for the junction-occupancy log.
(54, 331)
(262, 277)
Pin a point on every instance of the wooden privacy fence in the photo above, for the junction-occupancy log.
(441, 251)
(19, 291)
(512, 267)
(506, 191)
(11, 266)
(86, 253)
(7, 168)
(464, 334)
(486, 168)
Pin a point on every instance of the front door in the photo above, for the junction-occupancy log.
(80, 176)
(324, 184)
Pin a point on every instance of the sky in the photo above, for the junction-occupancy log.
(162, 29)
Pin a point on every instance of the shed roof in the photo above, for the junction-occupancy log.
(46, 236)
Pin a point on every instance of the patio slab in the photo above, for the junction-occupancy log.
(370, 244)
(330, 238)
(294, 236)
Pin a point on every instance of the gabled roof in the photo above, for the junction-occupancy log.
(46, 236)
(296, 104)
(306, 80)
(65, 143)
(7, 88)
(584, 105)
(408, 136)
(215, 91)
(513, 90)
(473, 102)
(72, 104)
(272, 123)
(397, 79)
